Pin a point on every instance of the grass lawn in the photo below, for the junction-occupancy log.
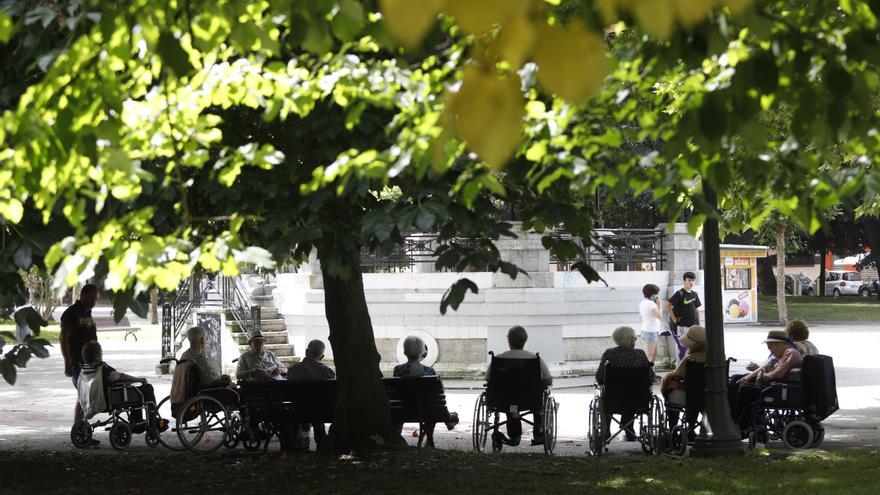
(826, 309)
(850, 472)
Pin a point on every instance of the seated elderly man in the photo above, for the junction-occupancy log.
(624, 355)
(309, 369)
(258, 363)
(209, 377)
(415, 350)
(516, 340)
(744, 391)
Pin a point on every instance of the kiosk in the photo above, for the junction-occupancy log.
(739, 281)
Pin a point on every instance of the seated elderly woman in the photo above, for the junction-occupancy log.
(744, 391)
(624, 355)
(671, 387)
(798, 332)
(209, 377)
(415, 350)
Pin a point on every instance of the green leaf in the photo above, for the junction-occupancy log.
(454, 295)
(7, 28)
(7, 367)
(349, 21)
(173, 55)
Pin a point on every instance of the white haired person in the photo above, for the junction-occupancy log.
(415, 350)
(209, 377)
(623, 355)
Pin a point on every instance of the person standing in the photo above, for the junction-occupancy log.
(77, 328)
(649, 309)
(683, 308)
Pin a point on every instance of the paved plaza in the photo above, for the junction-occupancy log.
(36, 413)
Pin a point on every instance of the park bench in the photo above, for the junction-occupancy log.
(277, 403)
(106, 324)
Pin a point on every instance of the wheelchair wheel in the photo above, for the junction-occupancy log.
(481, 424)
(202, 424)
(595, 428)
(165, 427)
(678, 440)
(550, 427)
(818, 435)
(120, 435)
(230, 441)
(797, 435)
(81, 434)
(653, 432)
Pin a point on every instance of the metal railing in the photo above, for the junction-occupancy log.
(175, 315)
(239, 306)
(620, 249)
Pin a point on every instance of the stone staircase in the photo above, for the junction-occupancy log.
(273, 326)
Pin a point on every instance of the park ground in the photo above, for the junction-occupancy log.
(36, 456)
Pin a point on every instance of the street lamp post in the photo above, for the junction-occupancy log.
(720, 436)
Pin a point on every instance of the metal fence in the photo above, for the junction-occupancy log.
(619, 250)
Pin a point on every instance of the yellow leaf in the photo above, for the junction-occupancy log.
(12, 210)
(478, 16)
(692, 12)
(410, 20)
(571, 61)
(655, 17)
(488, 113)
(517, 38)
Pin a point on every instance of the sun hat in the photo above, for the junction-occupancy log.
(256, 336)
(695, 337)
(777, 336)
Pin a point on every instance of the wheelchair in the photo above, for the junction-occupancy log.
(626, 390)
(201, 419)
(122, 401)
(793, 412)
(694, 385)
(515, 387)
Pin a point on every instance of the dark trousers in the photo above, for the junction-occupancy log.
(295, 436)
(742, 399)
(625, 420)
(514, 425)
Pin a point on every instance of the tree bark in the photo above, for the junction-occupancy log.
(362, 417)
(154, 306)
(781, 228)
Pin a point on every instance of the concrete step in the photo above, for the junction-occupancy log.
(271, 337)
(278, 349)
(268, 313)
(288, 361)
(273, 326)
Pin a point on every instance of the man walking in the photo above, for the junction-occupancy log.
(77, 328)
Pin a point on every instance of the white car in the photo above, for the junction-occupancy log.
(841, 283)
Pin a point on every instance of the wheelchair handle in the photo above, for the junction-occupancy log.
(167, 360)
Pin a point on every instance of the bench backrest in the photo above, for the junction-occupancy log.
(626, 389)
(107, 321)
(819, 385)
(413, 399)
(515, 382)
(287, 401)
(695, 386)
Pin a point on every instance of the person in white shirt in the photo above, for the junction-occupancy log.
(649, 309)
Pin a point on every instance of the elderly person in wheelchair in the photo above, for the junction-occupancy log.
(624, 379)
(517, 384)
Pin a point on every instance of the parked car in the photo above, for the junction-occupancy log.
(841, 283)
(870, 289)
(808, 287)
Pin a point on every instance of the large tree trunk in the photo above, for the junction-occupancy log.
(781, 227)
(363, 417)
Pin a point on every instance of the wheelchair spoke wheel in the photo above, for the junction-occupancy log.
(120, 435)
(678, 440)
(653, 431)
(165, 426)
(797, 435)
(203, 424)
(230, 441)
(550, 425)
(481, 424)
(595, 430)
(81, 434)
(252, 438)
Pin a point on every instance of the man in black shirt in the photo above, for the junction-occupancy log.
(683, 306)
(77, 328)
